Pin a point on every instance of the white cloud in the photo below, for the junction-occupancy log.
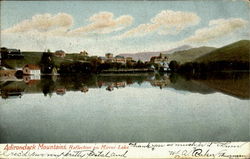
(217, 28)
(61, 23)
(46, 31)
(42, 23)
(104, 22)
(166, 22)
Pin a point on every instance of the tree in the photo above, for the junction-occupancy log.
(129, 64)
(47, 63)
(75, 67)
(140, 64)
(173, 65)
(4, 53)
(48, 85)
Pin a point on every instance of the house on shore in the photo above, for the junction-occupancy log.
(14, 54)
(109, 55)
(129, 59)
(159, 59)
(31, 69)
(111, 59)
(6, 53)
(102, 59)
(120, 59)
(84, 53)
(60, 53)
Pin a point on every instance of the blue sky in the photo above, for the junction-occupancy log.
(122, 26)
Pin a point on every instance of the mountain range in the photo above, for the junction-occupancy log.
(238, 51)
(190, 54)
(145, 56)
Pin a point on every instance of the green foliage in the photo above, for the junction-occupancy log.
(75, 67)
(76, 57)
(173, 65)
(47, 63)
(214, 66)
(29, 58)
(190, 54)
(238, 51)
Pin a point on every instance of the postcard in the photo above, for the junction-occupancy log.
(125, 79)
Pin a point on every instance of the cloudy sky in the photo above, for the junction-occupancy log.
(122, 27)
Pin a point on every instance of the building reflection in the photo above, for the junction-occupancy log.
(84, 89)
(160, 81)
(235, 84)
(59, 85)
(11, 93)
(60, 91)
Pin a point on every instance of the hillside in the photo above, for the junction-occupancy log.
(231, 83)
(145, 56)
(29, 58)
(238, 51)
(190, 55)
(35, 57)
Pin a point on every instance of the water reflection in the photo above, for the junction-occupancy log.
(125, 108)
(232, 83)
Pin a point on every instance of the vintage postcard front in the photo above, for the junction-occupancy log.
(125, 79)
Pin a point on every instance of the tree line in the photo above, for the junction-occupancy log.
(92, 65)
(213, 66)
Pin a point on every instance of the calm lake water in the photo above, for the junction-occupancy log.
(125, 108)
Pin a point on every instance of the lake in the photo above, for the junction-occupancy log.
(125, 108)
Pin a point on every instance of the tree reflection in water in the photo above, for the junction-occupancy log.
(232, 83)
